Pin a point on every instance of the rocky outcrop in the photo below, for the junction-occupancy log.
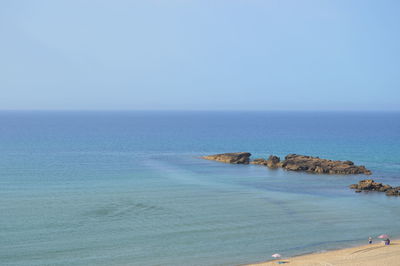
(272, 162)
(234, 158)
(393, 192)
(260, 161)
(371, 185)
(295, 162)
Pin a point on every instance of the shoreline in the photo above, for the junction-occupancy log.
(368, 255)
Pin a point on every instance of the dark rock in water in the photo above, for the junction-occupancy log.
(295, 162)
(234, 158)
(385, 188)
(272, 162)
(371, 185)
(393, 191)
(260, 161)
(358, 191)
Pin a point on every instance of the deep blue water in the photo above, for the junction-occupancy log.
(128, 188)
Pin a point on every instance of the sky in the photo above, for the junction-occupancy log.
(200, 55)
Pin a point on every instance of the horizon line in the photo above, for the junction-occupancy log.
(199, 110)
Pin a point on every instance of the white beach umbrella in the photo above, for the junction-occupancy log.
(383, 236)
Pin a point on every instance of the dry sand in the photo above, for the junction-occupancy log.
(368, 255)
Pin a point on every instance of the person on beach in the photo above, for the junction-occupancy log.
(369, 240)
(387, 242)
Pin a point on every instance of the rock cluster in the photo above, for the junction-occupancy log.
(371, 185)
(234, 158)
(294, 162)
(272, 162)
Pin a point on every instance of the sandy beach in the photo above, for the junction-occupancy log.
(367, 255)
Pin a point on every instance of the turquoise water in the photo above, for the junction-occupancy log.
(128, 188)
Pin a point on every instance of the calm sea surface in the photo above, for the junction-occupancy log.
(128, 188)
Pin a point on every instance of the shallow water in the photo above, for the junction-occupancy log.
(128, 188)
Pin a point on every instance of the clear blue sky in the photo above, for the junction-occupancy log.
(201, 55)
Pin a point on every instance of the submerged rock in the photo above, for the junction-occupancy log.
(353, 186)
(371, 185)
(234, 158)
(295, 162)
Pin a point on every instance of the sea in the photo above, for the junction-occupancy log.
(130, 188)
